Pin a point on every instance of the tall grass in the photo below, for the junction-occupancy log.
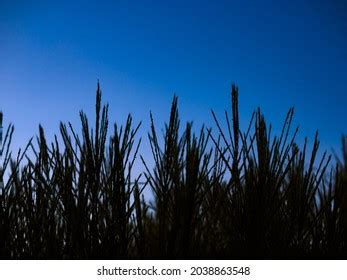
(216, 194)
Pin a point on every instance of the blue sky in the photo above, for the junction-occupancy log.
(279, 53)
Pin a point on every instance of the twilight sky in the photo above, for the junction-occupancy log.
(279, 53)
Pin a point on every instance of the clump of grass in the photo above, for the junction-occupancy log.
(75, 199)
(272, 207)
(177, 181)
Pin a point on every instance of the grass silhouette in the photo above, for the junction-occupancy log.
(225, 195)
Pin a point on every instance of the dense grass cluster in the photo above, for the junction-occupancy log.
(225, 194)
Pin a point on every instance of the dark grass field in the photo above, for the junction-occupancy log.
(229, 194)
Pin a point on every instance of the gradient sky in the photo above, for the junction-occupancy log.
(279, 53)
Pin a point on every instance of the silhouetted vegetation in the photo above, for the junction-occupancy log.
(227, 194)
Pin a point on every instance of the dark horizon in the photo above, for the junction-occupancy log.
(252, 196)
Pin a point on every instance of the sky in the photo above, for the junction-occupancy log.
(279, 53)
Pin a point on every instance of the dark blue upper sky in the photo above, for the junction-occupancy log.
(279, 53)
